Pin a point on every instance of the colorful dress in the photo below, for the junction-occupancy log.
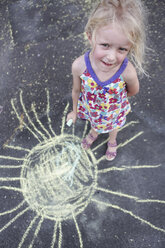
(104, 104)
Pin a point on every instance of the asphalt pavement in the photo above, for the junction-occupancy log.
(52, 193)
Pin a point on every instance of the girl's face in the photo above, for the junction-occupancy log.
(109, 48)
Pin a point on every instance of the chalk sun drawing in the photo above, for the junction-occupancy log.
(58, 179)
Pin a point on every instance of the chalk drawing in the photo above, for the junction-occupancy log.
(58, 179)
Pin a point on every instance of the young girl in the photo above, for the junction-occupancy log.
(104, 77)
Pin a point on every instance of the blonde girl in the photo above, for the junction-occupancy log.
(106, 75)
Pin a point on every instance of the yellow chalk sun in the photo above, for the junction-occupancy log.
(58, 179)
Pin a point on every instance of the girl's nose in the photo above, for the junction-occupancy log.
(111, 55)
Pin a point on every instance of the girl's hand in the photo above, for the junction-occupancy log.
(72, 116)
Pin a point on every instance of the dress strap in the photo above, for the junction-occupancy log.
(113, 78)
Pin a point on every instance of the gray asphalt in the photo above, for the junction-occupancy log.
(119, 204)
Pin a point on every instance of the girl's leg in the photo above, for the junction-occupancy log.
(113, 136)
(112, 145)
(89, 139)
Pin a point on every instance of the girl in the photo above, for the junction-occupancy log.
(104, 77)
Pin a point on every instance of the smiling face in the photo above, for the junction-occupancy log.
(109, 48)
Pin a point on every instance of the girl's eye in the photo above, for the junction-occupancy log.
(122, 49)
(105, 45)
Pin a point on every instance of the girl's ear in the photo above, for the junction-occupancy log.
(89, 36)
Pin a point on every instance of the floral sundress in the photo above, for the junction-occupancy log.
(104, 104)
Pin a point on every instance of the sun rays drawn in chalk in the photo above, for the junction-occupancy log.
(58, 179)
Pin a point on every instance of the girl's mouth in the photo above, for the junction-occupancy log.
(107, 64)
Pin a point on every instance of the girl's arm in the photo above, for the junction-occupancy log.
(76, 85)
(131, 79)
(76, 72)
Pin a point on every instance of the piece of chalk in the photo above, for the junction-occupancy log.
(69, 123)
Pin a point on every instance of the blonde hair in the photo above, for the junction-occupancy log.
(131, 16)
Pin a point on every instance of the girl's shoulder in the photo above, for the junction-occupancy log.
(78, 65)
(129, 73)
